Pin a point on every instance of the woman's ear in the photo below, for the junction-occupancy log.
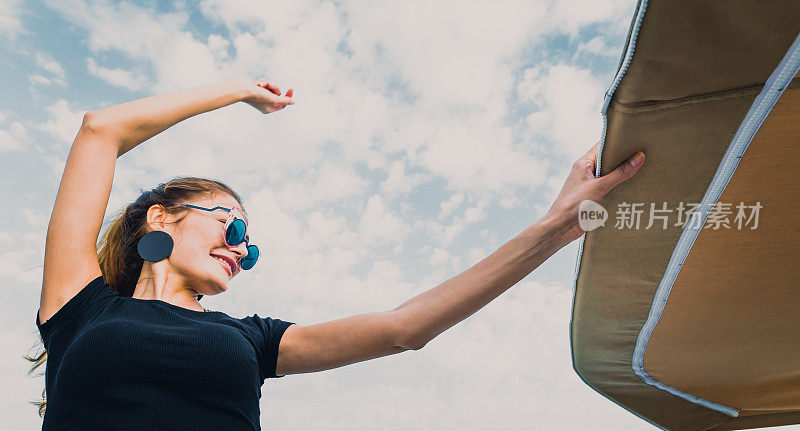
(157, 217)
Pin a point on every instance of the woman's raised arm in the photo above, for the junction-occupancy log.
(70, 256)
(132, 123)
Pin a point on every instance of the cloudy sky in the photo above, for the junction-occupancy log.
(425, 134)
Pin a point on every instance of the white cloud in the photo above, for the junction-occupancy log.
(345, 93)
(12, 263)
(271, 222)
(569, 100)
(56, 74)
(326, 183)
(43, 80)
(482, 159)
(597, 46)
(447, 59)
(218, 46)
(25, 246)
(445, 233)
(9, 143)
(509, 202)
(63, 124)
(17, 129)
(107, 24)
(378, 223)
(400, 182)
(36, 219)
(569, 16)
(47, 63)
(143, 34)
(335, 182)
(440, 73)
(10, 23)
(325, 230)
(440, 256)
(119, 77)
(460, 223)
(447, 207)
(553, 187)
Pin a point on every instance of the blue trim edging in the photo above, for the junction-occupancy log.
(760, 108)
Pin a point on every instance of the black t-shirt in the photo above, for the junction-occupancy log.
(120, 363)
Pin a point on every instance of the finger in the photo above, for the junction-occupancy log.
(587, 161)
(624, 171)
(592, 153)
(290, 93)
(273, 88)
(263, 83)
(589, 166)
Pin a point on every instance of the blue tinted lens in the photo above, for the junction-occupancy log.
(235, 233)
(252, 256)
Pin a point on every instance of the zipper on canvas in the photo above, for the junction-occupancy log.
(630, 45)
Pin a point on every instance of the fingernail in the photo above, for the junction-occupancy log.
(637, 159)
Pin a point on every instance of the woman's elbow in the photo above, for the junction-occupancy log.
(91, 122)
(406, 335)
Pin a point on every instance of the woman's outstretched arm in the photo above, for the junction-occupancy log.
(434, 311)
(417, 321)
(70, 255)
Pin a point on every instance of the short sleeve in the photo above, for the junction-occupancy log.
(94, 295)
(269, 332)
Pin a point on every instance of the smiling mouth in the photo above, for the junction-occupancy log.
(225, 265)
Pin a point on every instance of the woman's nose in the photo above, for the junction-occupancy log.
(240, 250)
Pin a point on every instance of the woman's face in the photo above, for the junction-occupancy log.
(199, 236)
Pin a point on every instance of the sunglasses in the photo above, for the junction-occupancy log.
(235, 233)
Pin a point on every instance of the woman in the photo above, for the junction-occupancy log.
(130, 346)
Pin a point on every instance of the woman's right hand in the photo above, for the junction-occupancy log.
(581, 184)
(265, 96)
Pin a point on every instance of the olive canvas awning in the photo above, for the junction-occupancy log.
(690, 318)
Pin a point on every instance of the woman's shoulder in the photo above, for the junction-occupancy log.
(96, 294)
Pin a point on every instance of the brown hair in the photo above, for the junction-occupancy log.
(117, 252)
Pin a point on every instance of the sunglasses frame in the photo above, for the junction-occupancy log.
(233, 214)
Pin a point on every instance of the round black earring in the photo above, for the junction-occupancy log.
(155, 246)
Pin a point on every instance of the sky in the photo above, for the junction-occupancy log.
(425, 135)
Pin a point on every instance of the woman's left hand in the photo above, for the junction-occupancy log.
(581, 184)
(266, 96)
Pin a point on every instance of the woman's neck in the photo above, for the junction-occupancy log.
(156, 282)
